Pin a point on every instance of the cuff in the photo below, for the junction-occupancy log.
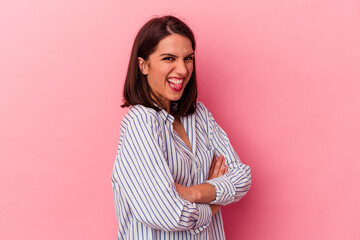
(225, 190)
(204, 219)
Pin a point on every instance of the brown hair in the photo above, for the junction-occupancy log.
(136, 87)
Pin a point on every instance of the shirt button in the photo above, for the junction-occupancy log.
(199, 169)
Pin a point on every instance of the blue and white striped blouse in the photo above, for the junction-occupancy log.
(151, 157)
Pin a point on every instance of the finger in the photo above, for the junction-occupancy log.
(222, 168)
(217, 167)
(212, 165)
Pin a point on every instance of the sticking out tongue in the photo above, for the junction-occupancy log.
(175, 86)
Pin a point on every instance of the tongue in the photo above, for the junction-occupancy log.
(176, 86)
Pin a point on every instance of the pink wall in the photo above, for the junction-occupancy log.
(281, 77)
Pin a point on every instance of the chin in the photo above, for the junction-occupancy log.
(175, 98)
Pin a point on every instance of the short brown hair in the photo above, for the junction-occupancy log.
(136, 87)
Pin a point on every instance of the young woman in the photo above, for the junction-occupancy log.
(175, 166)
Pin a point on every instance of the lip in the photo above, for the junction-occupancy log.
(174, 85)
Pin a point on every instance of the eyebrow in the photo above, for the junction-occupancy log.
(172, 55)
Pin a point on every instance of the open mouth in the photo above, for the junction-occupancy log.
(175, 84)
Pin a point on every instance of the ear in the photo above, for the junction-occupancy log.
(143, 66)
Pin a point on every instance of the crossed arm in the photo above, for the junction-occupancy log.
(205, 192)
(141, 174)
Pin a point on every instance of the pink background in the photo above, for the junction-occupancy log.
(281, 77)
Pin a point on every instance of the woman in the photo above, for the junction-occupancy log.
(175, 166)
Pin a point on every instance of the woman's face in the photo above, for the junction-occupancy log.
(169, 68)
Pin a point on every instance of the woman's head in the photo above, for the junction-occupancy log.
(162, 67)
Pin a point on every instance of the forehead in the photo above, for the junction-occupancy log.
(175, 44)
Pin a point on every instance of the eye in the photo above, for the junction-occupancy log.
(168, 58)
(189, 58)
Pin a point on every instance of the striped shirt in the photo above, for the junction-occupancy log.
(151, 156)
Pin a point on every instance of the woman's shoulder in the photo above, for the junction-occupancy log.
(140, 110)
(140, 114)
(204, 114)
(200, 106)
(201, 110)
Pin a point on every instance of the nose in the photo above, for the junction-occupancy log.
(181, 68)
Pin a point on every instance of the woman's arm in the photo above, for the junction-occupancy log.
(205, 193)
(225, 188)
(233, 185)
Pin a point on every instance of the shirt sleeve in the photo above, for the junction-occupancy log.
(233, 185)
(147, 183)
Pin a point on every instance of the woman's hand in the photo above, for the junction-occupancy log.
(214, 208)
(217, 168)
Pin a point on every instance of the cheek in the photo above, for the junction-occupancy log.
(190, 67)
(190, 70)
(157, 74)
(162, 72)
